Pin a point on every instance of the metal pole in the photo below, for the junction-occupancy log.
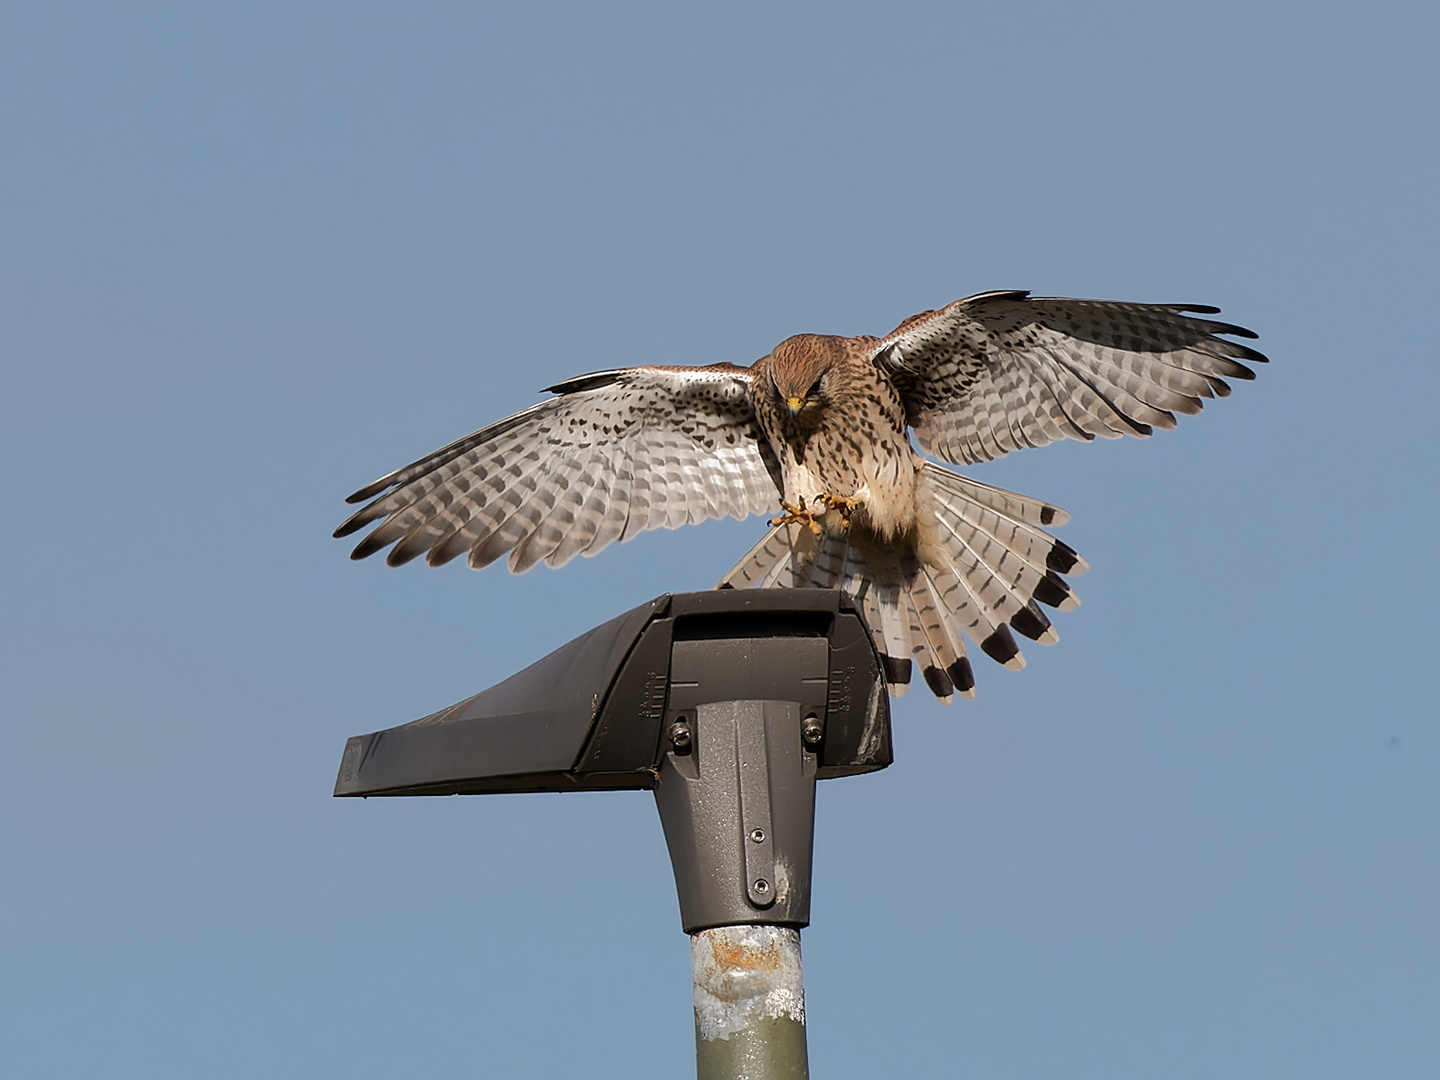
(736, 795)
(749, 1004)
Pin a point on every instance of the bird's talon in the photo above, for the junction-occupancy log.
(794, 515)
(846, 506)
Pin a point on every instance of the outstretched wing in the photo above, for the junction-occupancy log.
(1001, 371)
(616, 453)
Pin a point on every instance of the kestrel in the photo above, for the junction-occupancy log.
(818, 431)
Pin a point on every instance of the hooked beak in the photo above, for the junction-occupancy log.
(794, 404)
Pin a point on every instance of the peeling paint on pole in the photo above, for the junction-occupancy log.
(744, 974)
(749, 1003)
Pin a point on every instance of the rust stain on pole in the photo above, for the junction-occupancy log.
(749, 1003)
(744, 974)
(731, 954)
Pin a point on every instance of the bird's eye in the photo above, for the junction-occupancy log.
(815, 387)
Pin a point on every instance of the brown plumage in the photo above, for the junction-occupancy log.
(819, 429)
(837, 426)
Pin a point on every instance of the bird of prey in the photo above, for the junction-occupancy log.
(818, 432)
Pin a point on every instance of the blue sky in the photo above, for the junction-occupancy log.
(253, 256)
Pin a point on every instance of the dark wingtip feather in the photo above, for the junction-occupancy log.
(897, 672)
(439, 556)
(367, 547)
(1031, 622)
(1062, 557)
(1211, 326)
(584, 382)
(1052, 590)
(939, 683)
(1232, 330)
(353, 524)
(400, 555)
(1000, 646)
(369, 491)
(961, 674)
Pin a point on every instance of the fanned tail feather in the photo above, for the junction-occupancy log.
(979, 564)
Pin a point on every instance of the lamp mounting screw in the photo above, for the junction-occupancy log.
(811, 730)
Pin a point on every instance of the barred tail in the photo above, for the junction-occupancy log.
(979, 565)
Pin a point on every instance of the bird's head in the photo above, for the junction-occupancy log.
(803, 371)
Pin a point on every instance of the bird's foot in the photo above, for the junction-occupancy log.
(847, 505)
(797, 514)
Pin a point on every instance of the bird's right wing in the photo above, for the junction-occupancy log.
(614, 454)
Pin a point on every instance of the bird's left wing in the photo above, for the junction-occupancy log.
(614, 454)
(1001, 371)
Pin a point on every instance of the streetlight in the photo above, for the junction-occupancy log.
(729, 705)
